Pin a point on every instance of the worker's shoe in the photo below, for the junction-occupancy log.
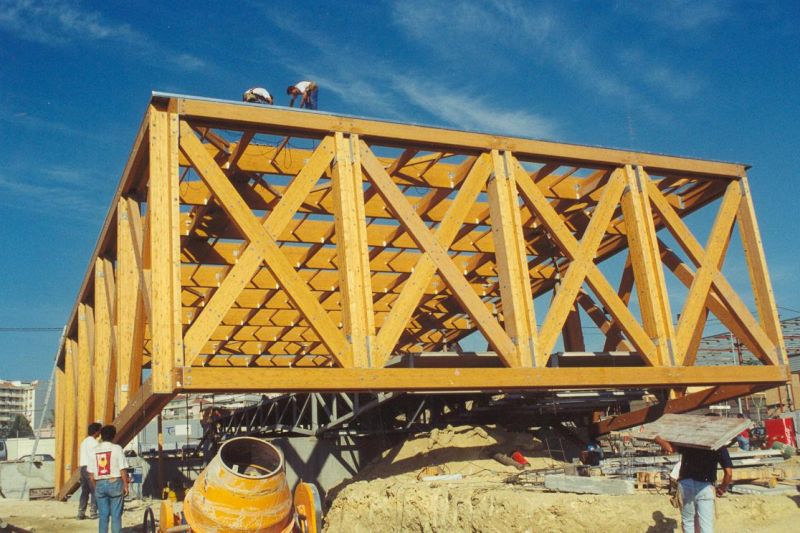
(81, 516)
(93, 516)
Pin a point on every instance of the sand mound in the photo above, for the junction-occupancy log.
(404, 505)
(387, 496)
(464, 450)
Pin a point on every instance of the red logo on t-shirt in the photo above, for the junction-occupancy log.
(103, 463)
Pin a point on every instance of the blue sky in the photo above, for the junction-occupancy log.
(717, 80)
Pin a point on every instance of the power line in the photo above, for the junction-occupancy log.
(10, 330)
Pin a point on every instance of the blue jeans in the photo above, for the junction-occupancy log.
(109, 494)
(312, 99)
(698, 505)
(744, 443)
(86, 492)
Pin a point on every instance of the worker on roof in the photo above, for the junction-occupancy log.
(257, 95)
(307, 91)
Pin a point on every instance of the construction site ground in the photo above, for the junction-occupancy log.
(44, 516)
(390, 496)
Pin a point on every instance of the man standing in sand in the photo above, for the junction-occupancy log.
(698, 475)
(109, 470)
(84, 454)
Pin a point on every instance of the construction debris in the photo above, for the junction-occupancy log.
(764, 491)
(588, 485)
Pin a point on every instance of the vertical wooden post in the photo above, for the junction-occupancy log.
(85, 383)
(160, 461)
(573, 332)
(70, 412)
(352, 252)
(512, 260)
(646, 261)
(130, 308)
(58, 413)
(103, 364)
(614, 339)
(163, 210)
(759, 275)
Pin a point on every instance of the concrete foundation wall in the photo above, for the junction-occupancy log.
(19, 447)
(16, 476)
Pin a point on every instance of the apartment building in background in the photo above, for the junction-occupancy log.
(17, 398)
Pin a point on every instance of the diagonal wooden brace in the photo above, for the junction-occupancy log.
(266, 247)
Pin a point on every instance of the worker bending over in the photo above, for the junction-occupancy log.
(307, 91)
(257, 95)
(698, 474)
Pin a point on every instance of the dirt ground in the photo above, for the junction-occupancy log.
(388, 497)
(45, 516)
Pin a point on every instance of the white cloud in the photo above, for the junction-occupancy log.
(472, 113)
(376, 87)
(42, 195)
(540, 35)
(680, 15)
(60, 23)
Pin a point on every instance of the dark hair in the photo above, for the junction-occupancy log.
(94, 427)
(290, 89)
(108, 433)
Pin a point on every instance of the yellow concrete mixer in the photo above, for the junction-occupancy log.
(242, 490)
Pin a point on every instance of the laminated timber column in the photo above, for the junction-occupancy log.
(131, 295)
(759, 275)
(104, 342)
(59, 423)
(512, 260)
(84, 382)
(164, 218)
(646, 262)
(352, 252)
(69, 410)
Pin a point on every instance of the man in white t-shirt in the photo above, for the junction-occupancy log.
(108, 469)
(84, 453)
(257, 95)
(307, 91)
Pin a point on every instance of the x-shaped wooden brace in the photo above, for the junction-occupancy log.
(435, 257)
(765, 349)
(693, 316)
(582, 259)
(583, 266)
(263, 248)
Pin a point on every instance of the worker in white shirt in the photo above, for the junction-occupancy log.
(257, 95)
(307, 91)
(109, 474)
(84, 454)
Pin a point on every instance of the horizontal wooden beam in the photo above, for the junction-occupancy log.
(205, 379)
(278, 120)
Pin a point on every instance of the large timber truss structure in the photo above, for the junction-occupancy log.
(259, 248)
